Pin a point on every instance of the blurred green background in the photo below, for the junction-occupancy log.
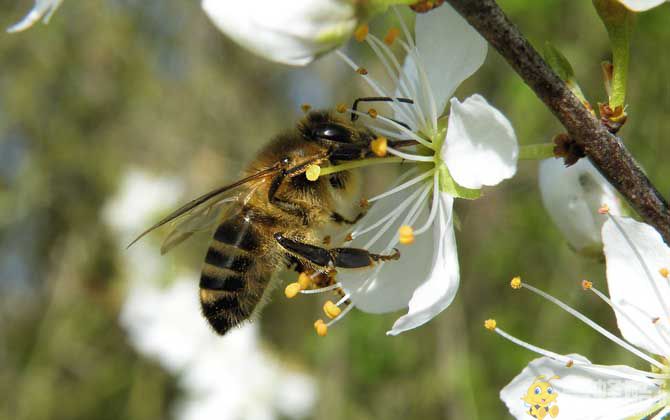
(114, 85)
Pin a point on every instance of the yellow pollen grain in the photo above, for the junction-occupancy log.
(406, 235)
(372, 113)
(515, 283)
(604, 209)
(312, 173)
(586, 285)
(341, 108)
(379, 146)
(361, 32)
(490, 324)
(292, 290)
(664, 272)
(321, 328)
(391, 36)
(305, 107)
(362, 71)
(304, 281)
(331, 310)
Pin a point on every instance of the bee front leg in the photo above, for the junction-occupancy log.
(335, 257)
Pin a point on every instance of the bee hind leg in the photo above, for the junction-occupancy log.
(334, 257)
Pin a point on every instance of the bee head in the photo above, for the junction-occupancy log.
(321, 126)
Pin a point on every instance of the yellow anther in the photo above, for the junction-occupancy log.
(331, 310)
(391, 35)
(586, 285)
(372, 113)
(604, 209)
(292, 290)
(379, 146)
(305, 107)
(349, 237)
(655, 320)
(664, 272)
(515, 283)
(569, 364)
(364, 203)
(312, 173)
(304, 281)
(361, 32)
(490, 324)
(341, 108)
(321, 328)
(406, 235)
(361, 71)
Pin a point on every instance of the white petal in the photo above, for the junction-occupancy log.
(572, 197)
(643, 297)
(481, 146)
(641, 5)
(439, 289)
(292, 32)
(390, 287)
(43, 9)
(450, 51)
(581, 393)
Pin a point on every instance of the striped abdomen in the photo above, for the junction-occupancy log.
(231, 284)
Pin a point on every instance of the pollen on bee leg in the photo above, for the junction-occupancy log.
(321, 328)
(604, 209)
(391, 36)
(292, 290)
(378, 146)
(490, 324)
(304, 281)
(305, 107)
(516, 283)
(361, 32)
(406, 235)
(312, 173)
(664, 272)
(331, 310)
(341, 108)
(586, 285)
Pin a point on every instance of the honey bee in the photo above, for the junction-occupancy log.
(274, 217)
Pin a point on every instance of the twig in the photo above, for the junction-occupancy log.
(605, 150)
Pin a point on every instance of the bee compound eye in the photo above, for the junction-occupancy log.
(332, 132)
(285, 161)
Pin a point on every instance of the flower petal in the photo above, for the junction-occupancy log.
(638, 287)
(292, 32)
(390, 286)
(593, 392)
(439, 289)
(481, 146)
(641, 5)
(43, 9)
(572, 197)
(450, 51)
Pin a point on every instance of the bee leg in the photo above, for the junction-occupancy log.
(353, 151)
(354, 107)
(335, 257)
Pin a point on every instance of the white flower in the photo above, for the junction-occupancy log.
(637, 277)
(290, 32)
(43, 9)
(641, 5)
(479, 148)
(572, 197)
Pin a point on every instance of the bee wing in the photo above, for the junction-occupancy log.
(196, 204)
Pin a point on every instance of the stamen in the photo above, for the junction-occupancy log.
(321, 289)
(321, 328)
(408, 156)
(372, 113)
(361, 32)
(406, 235)
(292, 290)
(604, 209)
(403, 186)
(392, 220)
(433, 209)
(401, 128)
(516, 283)
(403, 26)
(644, 266)
(331, 310)
(378, 146)
(305, 281)
(595, 326)
(305, 108)
(362, 71)
(340, 316)
(664, 272)
(391, 36)
(312, 173)
(490, 324)
(586, 285)
(357, 164)
(395, 212)
(369, 80)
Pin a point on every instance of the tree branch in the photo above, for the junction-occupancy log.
(605, 150)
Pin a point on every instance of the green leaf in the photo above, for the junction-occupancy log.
(449, 186)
